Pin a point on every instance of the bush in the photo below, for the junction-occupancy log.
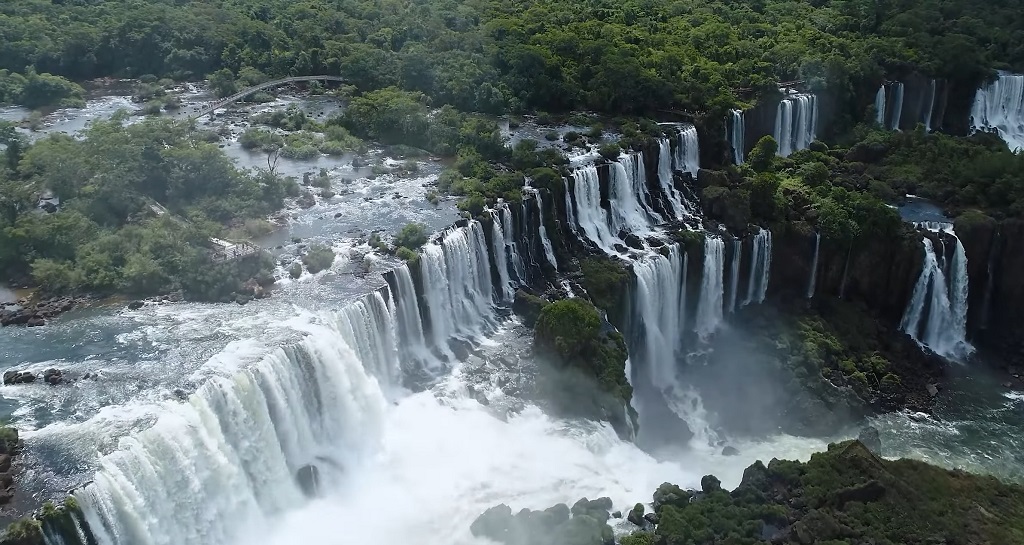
(762, 157)
(295, 271)
(407, 254)
(318, 258)
(412, 236)
(474, 204)
(610, 152)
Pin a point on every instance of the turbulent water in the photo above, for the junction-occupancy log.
(796, 123)
(936, 314)
(999, 107)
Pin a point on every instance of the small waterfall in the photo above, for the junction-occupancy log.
(796, 122)
(999, 107)
(709, 305)
(880, 106)
(665, 178)
(629, 196)
(661, 303)
(814, 267)
(570, 214)
(936, 315)
(410, 325)
(927, 114)
(592, 218)
(500, 257)
(511, 247)
(734, 273)
(897, 106)
(737, 136)
(687, 153)
(231, 452)
(549, 253)
(760, 267)
(457, 282)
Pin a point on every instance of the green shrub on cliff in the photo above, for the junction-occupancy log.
(604, 279)
(570, 326)
(319, 257)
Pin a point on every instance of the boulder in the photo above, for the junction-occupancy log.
(308, 477)
(670, 494)
(710, 483)
(634, 241)
(5, 462)
(18, 377)
(135, 305)
(35, 321)
(636, 515)
(53, 376)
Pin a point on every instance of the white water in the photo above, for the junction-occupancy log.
(936, 315)
(796, 123)
(676, 200)
(927, 114)
(629, 196)
(880, 105)
(570, 214)
(500, 259)
(734, 273)
(592, 218)
(661, 302)
(511, 246)
(999, 107)
(760, 267)
(737, 136)
(549, 252)
(814, 267)
(709, 305)
(687, 152)
(410, 324)
(897, 106)
(457, 284)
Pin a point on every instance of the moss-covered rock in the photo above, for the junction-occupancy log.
(585, 364)
(605, 280)
(53, 520)
(843, 496)
(587, 525)
(528, 307)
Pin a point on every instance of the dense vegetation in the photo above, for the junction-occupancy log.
(137, 205)
(492, 56)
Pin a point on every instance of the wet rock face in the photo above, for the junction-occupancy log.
(308, 477)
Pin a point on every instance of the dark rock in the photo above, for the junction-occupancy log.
(636, 515)
(18, 377)
(308, 477)
(634, 242)
(180, 394)
(242, 299)
(35, 321)
(651, 518)
(616, 514)
(337, 215)
(868, 492)
(306, 200)
(53, 376)
(710, 483)
(816, 527)
(869, 436)
(670, 494)
(5, 462)
(528, 307)
(730, 451)
(135, 305)
(494, 523)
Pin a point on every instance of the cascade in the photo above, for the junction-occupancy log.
(511, 248)
(734, 273)
(796, 123)
(629, 196)
(369, 327)
(570, 214)
(999, 106)
(410, 325)
(549, 253)
(760, 267)
(737, 136)
(231, 452)
(709, 305)
(814, 267)
(897, 106)
(927, 114)
(592, 218)
(880, 105)
(500, 259)
(687, 153)
(457, 284)
(660, 303)
(680, 208)
(936, 315)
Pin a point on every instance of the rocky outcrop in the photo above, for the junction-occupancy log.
(586, 523)
(528, 307)
(31, 312)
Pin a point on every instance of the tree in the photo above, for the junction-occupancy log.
(762, 156)
(223, 83)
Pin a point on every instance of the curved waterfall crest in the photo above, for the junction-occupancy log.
(999, 107)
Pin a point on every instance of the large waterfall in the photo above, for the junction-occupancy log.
(630, 199)
(811, 284)
(897, 106)
(760, 267)
(661, 304)
(737, 137)
(999, 106)
(709, 305)
(936, 315)
(687, 152)
(232, 452)
(880, 106)
(676, 200)
(410, 324)
(591, 217)
(796, 122)
(457, 282)
(501, 259)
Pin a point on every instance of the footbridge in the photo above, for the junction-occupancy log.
(209, 109)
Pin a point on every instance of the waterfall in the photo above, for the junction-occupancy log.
(936, 315)
(231, 452)
(592, 218)
(760, 267)
(814, 267)
(796, 123)
(549, 253)
(897, 106)
(709, 305)
(999, 106)
(500, 259)
(410, 325)
(734, 273)
(660, 303)
(880, 106)
(457, 284)
(570, 214)
(511, 247)
(927, 114)
(665, 178)
(629, 196)
(687, 153)
(737, 137)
